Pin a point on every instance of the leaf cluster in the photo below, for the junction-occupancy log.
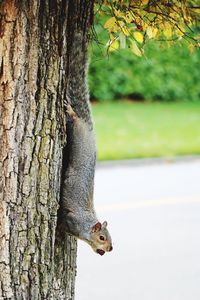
(163, 73)
(133, 22)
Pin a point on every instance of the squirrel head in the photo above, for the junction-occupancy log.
(100, 239)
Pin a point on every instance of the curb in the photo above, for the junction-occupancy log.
(147, 161)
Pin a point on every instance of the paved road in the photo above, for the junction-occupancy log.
(154, 217)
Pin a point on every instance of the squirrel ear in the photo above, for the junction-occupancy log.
(96, 227)
(104, 224)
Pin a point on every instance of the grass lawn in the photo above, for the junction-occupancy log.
(126, 130)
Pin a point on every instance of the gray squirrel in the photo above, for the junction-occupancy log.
(78, 213)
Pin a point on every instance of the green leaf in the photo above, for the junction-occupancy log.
(135, 49)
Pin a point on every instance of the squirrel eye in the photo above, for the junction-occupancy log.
(102, 237)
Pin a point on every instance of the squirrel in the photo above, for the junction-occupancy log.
(76, 204)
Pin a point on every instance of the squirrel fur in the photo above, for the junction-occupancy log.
(78, 213)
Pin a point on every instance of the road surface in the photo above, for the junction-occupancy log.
(153, 212)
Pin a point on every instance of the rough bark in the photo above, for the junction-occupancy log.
(35, 38)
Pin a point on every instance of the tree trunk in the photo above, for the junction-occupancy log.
(35, 39)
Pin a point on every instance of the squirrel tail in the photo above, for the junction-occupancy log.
(77, 87)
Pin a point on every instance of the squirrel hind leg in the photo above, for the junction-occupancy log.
(69, 110)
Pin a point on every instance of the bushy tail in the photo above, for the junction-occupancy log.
(77, 91)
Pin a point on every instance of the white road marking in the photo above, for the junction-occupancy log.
(151, 203)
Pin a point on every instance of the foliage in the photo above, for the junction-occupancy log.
(170, 74)
(136, 21)
(130, 130)
(163, 73)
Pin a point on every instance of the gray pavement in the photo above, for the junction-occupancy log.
(153, 212)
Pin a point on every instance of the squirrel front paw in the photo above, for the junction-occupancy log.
(70, 111)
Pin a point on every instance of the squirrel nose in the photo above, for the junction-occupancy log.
(110, 248)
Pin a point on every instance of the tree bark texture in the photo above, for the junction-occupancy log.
(35, 39)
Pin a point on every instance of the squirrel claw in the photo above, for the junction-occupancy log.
(70, 111)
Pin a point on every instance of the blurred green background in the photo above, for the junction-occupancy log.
(148, 106)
